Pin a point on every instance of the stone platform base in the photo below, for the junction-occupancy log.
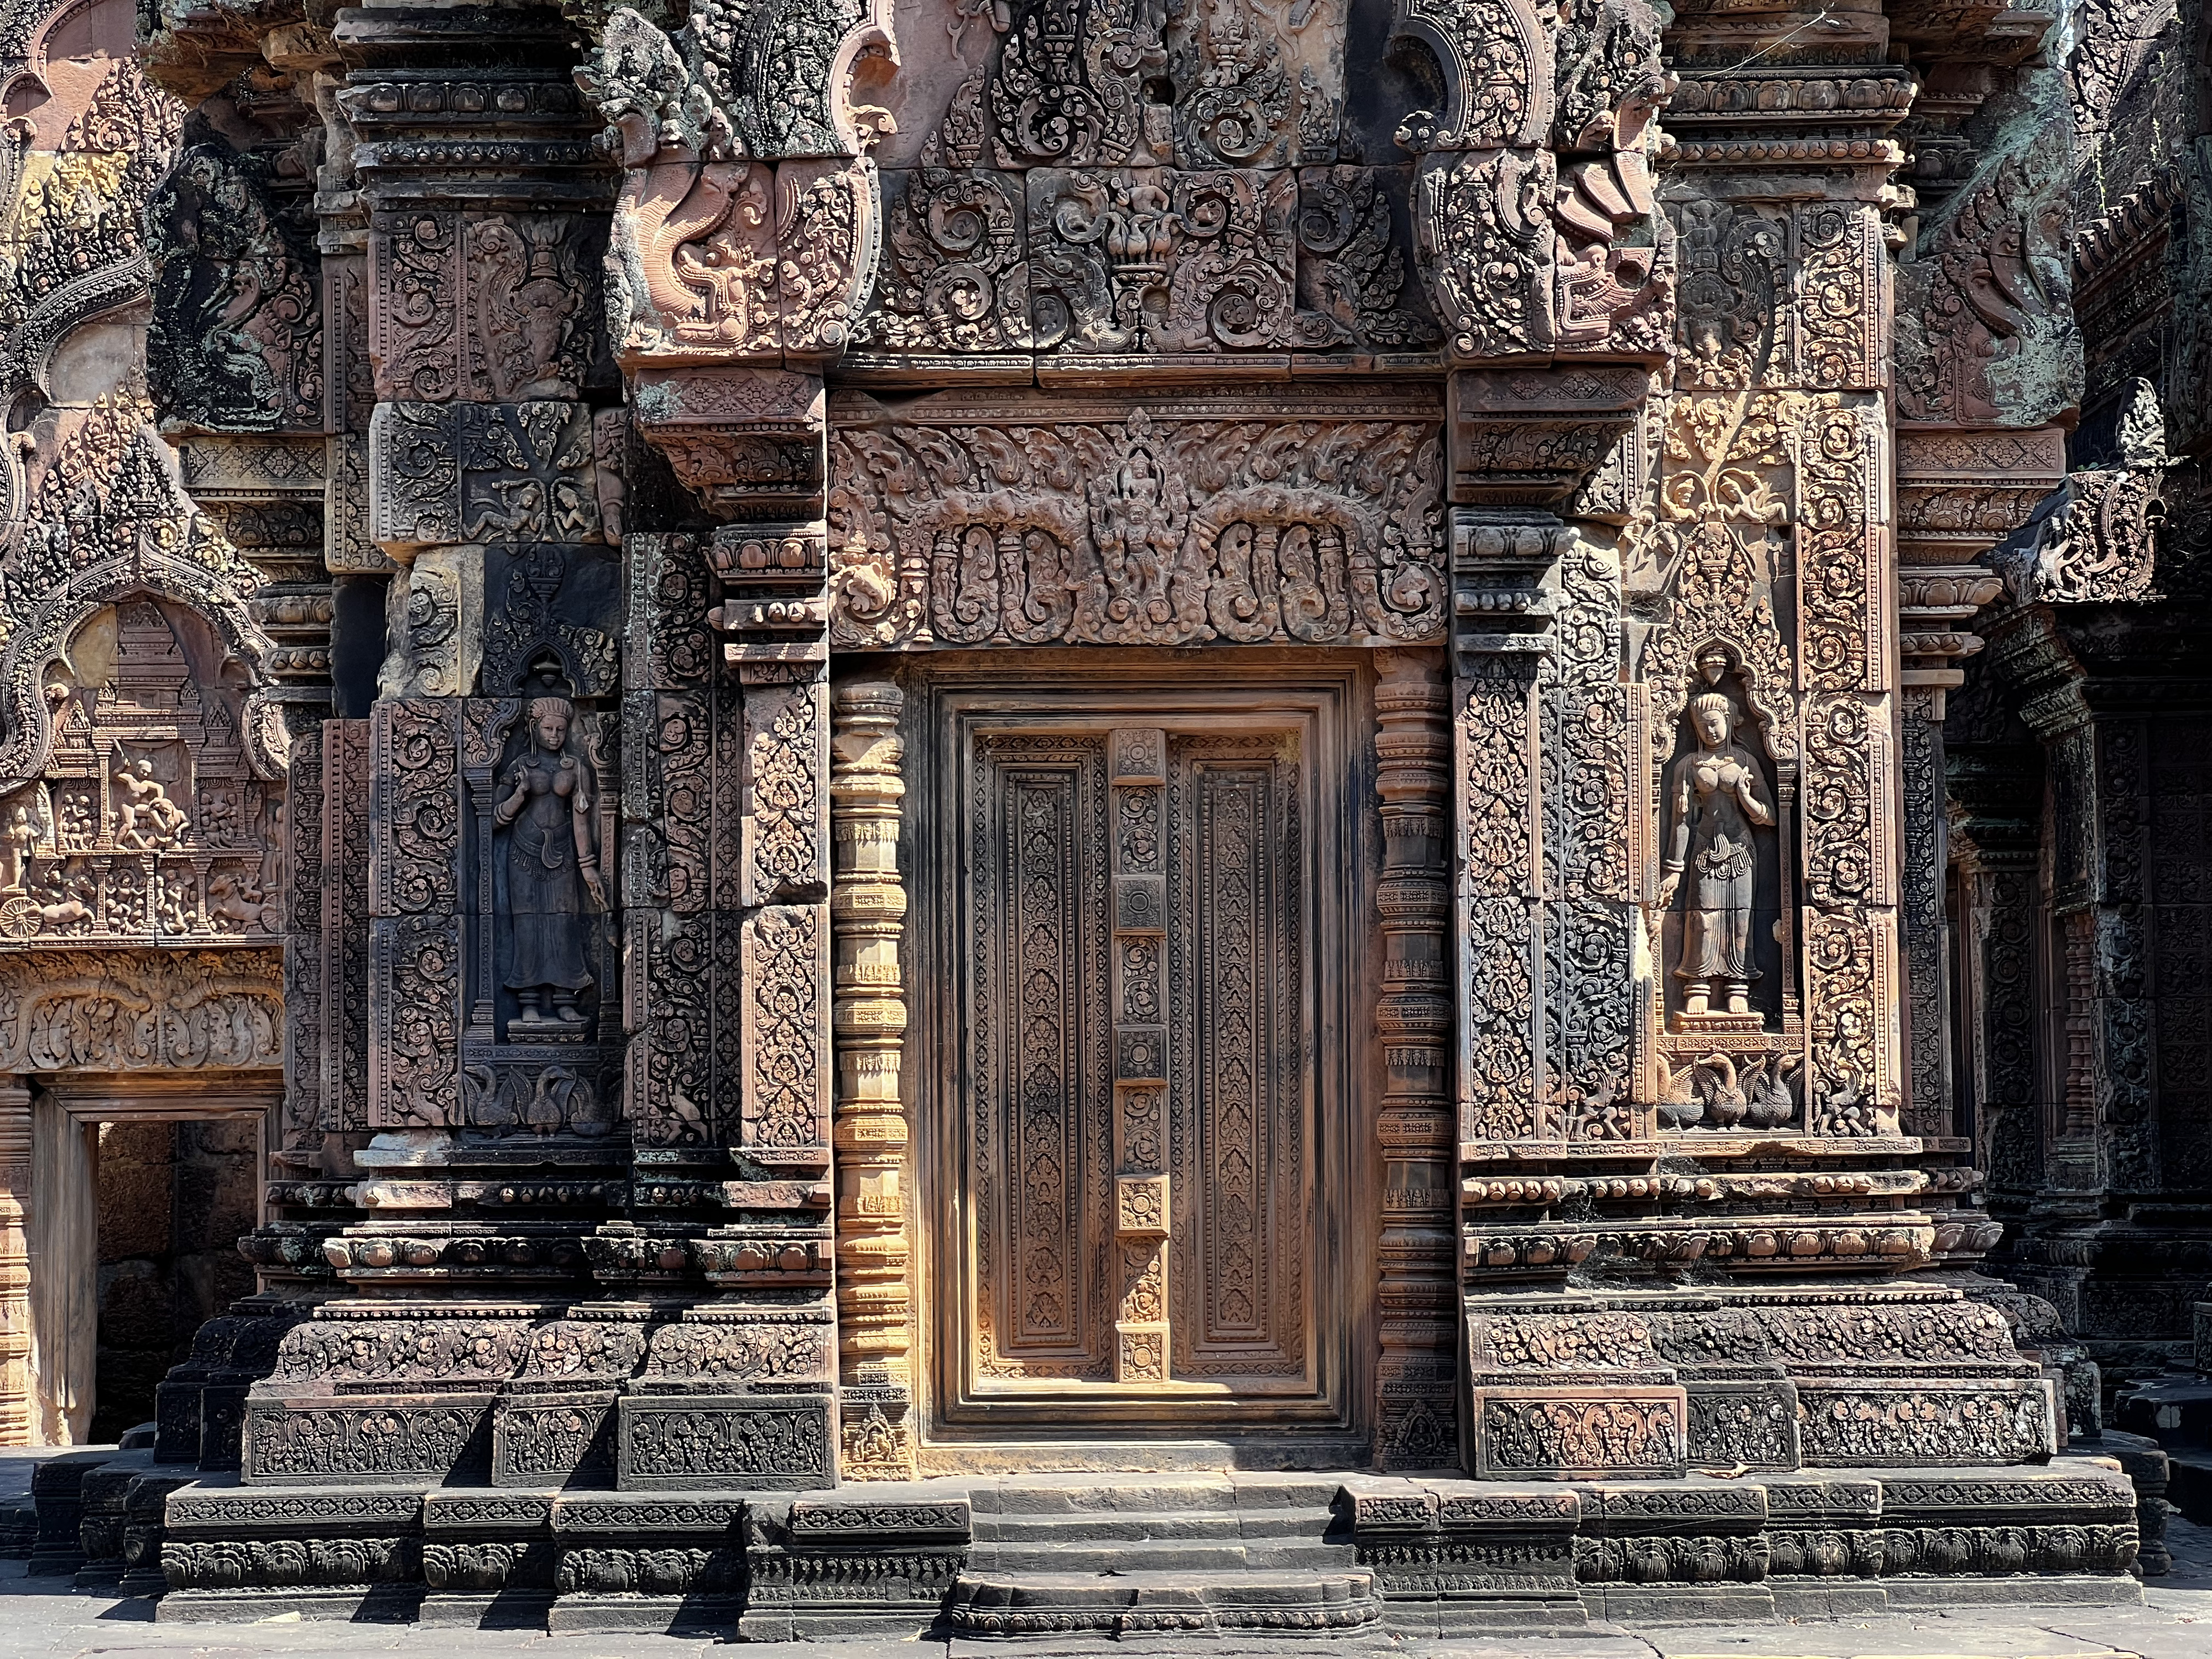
(1108, 1555)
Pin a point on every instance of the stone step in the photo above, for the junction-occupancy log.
(1159, 1555)
(1186, 1494)
(1093, 1525)
(1320, 1603)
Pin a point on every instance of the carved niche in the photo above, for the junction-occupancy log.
(1756, 550)
(1733, 1025)
(495, 967)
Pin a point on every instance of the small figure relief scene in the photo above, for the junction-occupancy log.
(550, 895)
(1102, 177)
(148, 823)
(1731, 1048)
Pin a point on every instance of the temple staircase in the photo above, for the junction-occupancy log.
(1207, 1554)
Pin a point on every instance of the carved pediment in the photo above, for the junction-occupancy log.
(149, 822)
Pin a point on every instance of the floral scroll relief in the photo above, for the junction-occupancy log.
(1137, 530)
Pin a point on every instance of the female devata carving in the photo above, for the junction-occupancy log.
(552, 864)
(1714, 798)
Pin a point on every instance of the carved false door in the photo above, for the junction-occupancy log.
(1135, 922)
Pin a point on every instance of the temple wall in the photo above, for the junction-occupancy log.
(902, 749)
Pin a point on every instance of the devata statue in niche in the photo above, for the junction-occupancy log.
(1716, 802)
(552, 863)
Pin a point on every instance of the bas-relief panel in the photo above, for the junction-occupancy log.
(1101, 181)
(973, 519)
(149, 822)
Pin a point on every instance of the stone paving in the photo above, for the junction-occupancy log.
(45, 1618)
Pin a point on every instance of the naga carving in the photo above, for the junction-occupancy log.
(747, 225)
(1536, 228)
(2096, 540)
(1986, 328)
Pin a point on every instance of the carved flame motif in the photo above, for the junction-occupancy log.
(1065, 94)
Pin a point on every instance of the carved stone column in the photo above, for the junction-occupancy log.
(1958, 490)
(17, 1403)
(875, 1313)
(1416, 1412)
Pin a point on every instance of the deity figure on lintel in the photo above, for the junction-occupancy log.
(552, 863)
(1715, 801)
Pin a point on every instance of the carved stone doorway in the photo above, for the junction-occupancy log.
(130, 1234)
(1145, 893)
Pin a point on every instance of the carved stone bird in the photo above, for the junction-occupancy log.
(1773, 1102)
(1725, 1101)
(1681, 1108)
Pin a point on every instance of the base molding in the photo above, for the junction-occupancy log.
(1109, 1555)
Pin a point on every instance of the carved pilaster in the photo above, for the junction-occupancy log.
(1924, 835)
(875, 1309)
(1416, 1417)
(304, 1000)
(341, 929)
(1960, 490)
(16, 1200)
(2123, 1030)
(1996, 791)
(1496, 870)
